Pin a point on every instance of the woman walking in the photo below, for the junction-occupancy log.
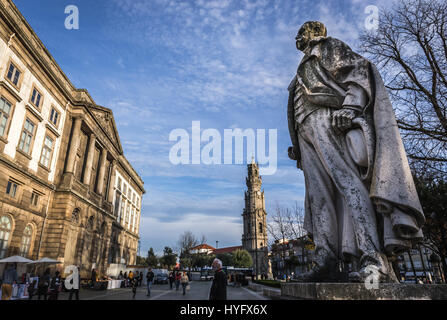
(178, 277)
(171, 279)
(184, 281)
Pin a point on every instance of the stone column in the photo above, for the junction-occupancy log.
(102, 171)
(74, 145)
(112, 181)
(90, 156)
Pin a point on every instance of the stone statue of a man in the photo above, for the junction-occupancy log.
(361, 203)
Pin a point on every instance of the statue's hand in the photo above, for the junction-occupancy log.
(342, 119)
(294, 155)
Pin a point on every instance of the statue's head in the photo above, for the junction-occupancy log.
(309, 31)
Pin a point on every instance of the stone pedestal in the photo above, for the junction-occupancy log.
(358, 291)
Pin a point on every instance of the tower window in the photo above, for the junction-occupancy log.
(260, 227)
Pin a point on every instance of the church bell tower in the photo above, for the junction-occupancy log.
(254, 238)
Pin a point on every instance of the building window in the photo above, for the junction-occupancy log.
(103, 228)
(54, 117)
(34, 199)
(5, 110)
(27, 136)
(125, 189)
(133, 219)
(121, 216)
(36, 98)
(75, 216)
(26, 241)
(261, 229)
(13, 74)
(117, 204)
(128, 215)
(46, 152)
(11, 189)
(5, 233)
(90, 223)
(119, 183)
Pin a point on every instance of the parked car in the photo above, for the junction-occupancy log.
(161, 278)
(206, 275)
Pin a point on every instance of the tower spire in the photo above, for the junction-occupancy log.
(254, 239)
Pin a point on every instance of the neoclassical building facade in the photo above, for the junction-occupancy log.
(66, 189)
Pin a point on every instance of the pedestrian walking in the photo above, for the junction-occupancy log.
(55, 286)
(76, 287)
(44, 283)
(134, 287)
(149, 278)
(93, 277)
(178, 277)
(32, 289)
(171, 279)
(9, 278)
(184, 280)
(219, 286)
(140, 279)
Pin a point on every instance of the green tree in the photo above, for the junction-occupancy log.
(185, 262)
(200, 260)
(152, 259)
(226, 258)
(169, 258)
(242, 259)
(141, 261)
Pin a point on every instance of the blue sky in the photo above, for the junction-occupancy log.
(161, 64)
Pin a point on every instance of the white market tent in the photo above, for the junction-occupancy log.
(45, 261)
(16, 259)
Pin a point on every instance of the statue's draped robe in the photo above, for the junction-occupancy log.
(389, 185)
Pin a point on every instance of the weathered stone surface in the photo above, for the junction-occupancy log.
(358, 291)
(361, 202)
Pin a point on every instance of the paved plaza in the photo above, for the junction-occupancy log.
(199, 291)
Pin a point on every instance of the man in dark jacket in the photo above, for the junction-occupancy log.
(219, 287)
(149, 278)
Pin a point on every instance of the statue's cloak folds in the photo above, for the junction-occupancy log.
(391, 184)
